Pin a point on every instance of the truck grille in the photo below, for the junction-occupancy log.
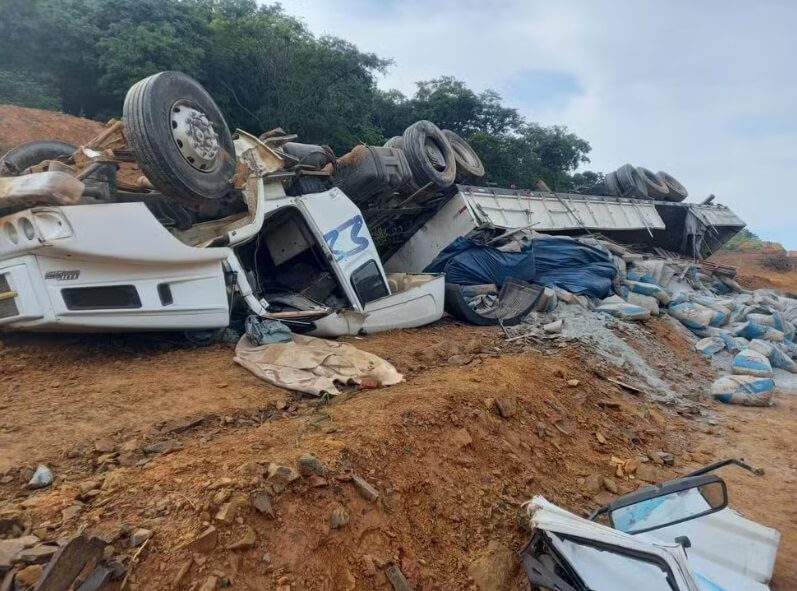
(8, 305)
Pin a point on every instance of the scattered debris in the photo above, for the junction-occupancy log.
(309, 465)
(368, 492)
(246, 541)
(507, 407)
(494, 567)
(397, 579)
(261, 501)
(339, 518)
(280, 477)
(41, 478)
(205, 542)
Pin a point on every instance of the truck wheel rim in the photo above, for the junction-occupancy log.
(194, 136)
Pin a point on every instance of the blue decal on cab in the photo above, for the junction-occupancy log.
(345, 240)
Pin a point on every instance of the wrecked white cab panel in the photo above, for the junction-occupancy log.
(685, 522)
(598, 558)
(727, 550)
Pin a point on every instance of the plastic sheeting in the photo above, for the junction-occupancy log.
(314, 366)
(555, 261)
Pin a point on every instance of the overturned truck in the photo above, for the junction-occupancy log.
(168, 221)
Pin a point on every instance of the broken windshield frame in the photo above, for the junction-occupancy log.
(569, 578)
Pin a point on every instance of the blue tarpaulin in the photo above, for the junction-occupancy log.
(555, 261)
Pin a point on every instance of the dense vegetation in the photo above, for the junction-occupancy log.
(744, 240)
(265, 69)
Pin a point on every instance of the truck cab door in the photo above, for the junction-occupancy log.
(347, 244)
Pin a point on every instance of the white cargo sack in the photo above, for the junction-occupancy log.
(644, 301)
(625, 311)
(752, 363)
(745, 390)
(649, 289)
(695, 316)
(709, 346)
(776, 357)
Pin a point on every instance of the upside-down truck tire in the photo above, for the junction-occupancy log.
(395, 142)
(657, 188)
(425, 169)
(467, 159)
(677, 191)
(631, 183)
(610, 180)
(179, 138)
(17, 159)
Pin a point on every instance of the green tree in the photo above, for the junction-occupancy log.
(265, 69)
(26, 89)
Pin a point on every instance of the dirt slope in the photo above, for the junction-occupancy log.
(22, 124)
(451, 471)
(753, 275)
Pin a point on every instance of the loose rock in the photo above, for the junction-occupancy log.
(226, 513)
(339, 518)
(28, 576)
(261, 501)
(36, 555)
(610, 485)
(593, 483)
(493, 570)
(647, 473)
(461, 438)
(281, 476)
(553, 327)
(572, 383)
(397, 579)
(162, 447)
(507, 407)
(104, 446)
(309, 465)
(318, 482)
(246, 541)
(8, 550)
(140, 536)
(204, 542)
(209, 584)
(71, 512)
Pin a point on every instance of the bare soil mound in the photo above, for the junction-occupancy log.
(21, 124)
(753, 274)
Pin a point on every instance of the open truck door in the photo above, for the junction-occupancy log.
(379, 301)
(569, 553)
(727, 552)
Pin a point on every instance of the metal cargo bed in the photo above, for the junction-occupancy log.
(410, 237)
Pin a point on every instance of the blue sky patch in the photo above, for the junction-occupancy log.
(540, 88)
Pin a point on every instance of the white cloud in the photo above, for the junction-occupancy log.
(704, 90)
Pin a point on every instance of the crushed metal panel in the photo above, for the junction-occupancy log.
(545, 516)
(41, 188)
(715, 215)
(551, 211)
(259, 158)
(728, 549)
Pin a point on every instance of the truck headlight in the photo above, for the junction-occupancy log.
(51, 225)
(10, 230)
(27, 228)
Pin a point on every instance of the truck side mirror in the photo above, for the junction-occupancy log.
(664, 505)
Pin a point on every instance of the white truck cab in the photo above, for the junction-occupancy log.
(307, 260)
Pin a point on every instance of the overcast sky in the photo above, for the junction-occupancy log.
(706, 91)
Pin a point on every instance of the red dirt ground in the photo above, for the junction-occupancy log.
(22, 124)
(452, 473)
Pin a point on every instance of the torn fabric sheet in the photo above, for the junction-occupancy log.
(313, 366)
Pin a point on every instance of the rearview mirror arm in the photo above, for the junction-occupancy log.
(716, 465)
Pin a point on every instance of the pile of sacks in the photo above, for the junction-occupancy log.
(757, 328)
